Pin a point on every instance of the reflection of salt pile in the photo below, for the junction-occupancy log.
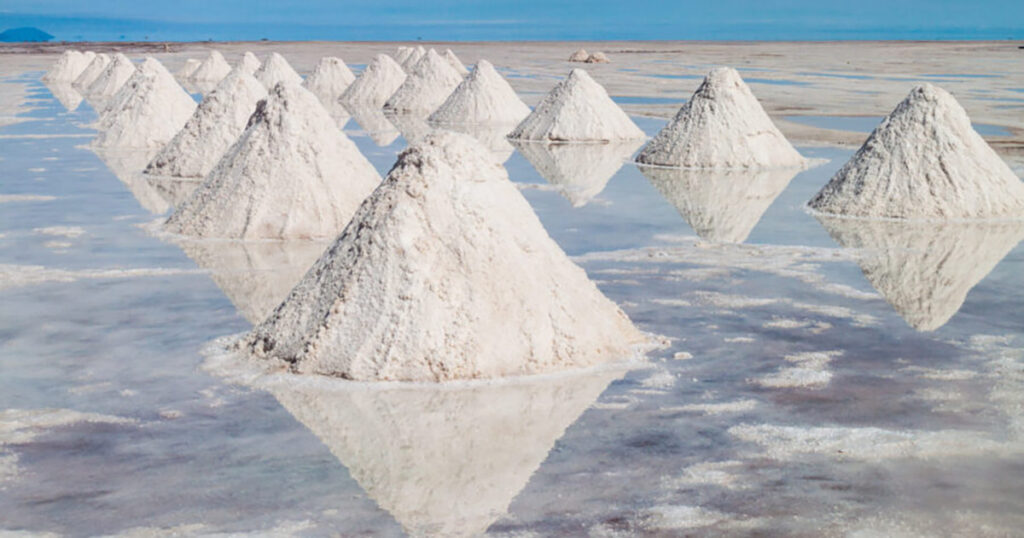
(276, 69)
(924, 161)
(428, 84)
(291, 175)
(482, 97)
(721, 126)
(212, 69)
(248, 63)
(147, 112)
(413, 128)
(127, 165)
(174, 190)
(492, 136)
(579, 56)
(118, 71)
(329, 80)
(720, 205)
(389, 300)
(577, 110)
(68, 66)
(65, 93)
(414, 57)
(185, 71)
(217, 122)
(255, 275)
(925, 270)
(376, 125)
(375, 84)
(92, 71)
(455, 62)
(580, 171)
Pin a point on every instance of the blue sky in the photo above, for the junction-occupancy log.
(523, 19)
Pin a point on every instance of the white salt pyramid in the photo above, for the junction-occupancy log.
(577, 110)
(276, 69)
(147, 111)
(402, 54)
(455, 62)
(580, 171)
(721, 126)
(414, 57)
(579, 56)
(187, 69)
(924, 161)
(427, 86)
(329, 80)
(217, 122)
(212, 69)
(291, 175)
(248, 63)
(95, 68)
(118, 71)
(68, 66)
(390, 301)
(482, 97)
(375, 84)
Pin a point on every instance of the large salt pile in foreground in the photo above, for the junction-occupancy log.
(375, 84)
(216, 124)
(390, 301)
(455, 62)
(430, 82)
(924, 161)
(187, 69)
(721, 126)
(147, 112)
(291, 175)
(482, 97)
(329, 80)
(248, 63)
(413, 58)
(92, 71)
(68, 66)
(577, 110)
(213, 69)
(276, 69)
(118, 71)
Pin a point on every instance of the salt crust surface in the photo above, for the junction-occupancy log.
(483, 96)
(429, 83)
(147, 111)
(276, 69)
(375, 84)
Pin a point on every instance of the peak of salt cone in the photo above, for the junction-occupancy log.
(329, 80)
(924, 161)
(375, 84)
(92, 71)
(212, 69)
(721, 126)
(482, 97)
(248, 63)
(68, 66)
(118, 71)
(187, 69)
(388, 301)
(579, 56)
(580, 171)
(402, 54)
(430, 82)
(217, 122)
(275, 70)
(578, 109)
(414, 57)
(292, 174)
(455, 62)
(147, 111)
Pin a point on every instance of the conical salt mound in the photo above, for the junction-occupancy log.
(427, 86)
(925, 270)
(455, 62)
(580, 171)
(721, 126)
(217, 122)
(92, 71)
(414, 57)
(402, 54)
(329, 80)
(275, 70)
(249, 63)
(482, 97)
(579, 56)
(924, 161)
(147, 112)
(118, 71)
(375, 84)
(720, 205)
(577, 110)
(291, 175)
(186, 70)
(68, 66)
(390, 301)
(212, 69)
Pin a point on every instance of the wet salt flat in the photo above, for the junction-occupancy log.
(821, 378)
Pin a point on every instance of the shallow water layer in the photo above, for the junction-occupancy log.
(866, 124)
(822, 377)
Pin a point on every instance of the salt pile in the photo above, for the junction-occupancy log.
(118, 71)
(212, 69)
(413, 58)
(455, 62)
(276, 69)
(580, 171)
(147, 111)
(248, 63)
(68, 66)
(597, 58)
(402, 54)
(329, 80)
(65, 93)
(217, 122)
(577, 110)
(186, 70)
(291, 175)
(924, 161)
(375, 84)
(430, 82)
(579, 56)
(93, 70)
(721, 126)
(389, 301)
(482, 97)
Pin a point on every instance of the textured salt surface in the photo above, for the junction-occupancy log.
(429, 83)
(482, 97)
(92, 71)
(276, 69)
(413, 58)
(375, 84)
(68, 66)
(330, 78)
(118, 71)
(249, 63)
(212, 69)
(147, 112)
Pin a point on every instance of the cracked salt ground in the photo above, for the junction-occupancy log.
(793, 398)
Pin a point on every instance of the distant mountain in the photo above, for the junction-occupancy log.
(27, 33)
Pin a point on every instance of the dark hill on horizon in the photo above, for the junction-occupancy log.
(25, 34)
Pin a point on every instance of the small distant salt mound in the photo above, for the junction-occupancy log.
(389, 301)
(212, 69)
(186, 70)
(413, 58)
(924, 161)
(597, 58)
(275, 70)
(430, 82)
(217, 122)
(249, 63)
(482, 97)
(376, 125)
(721, 126)
(579, 56)
(577, 110)
(68, 66)
(291, 175)
(118, 71)
(375, 84)
(329, 80)
(580, 171)
(402, 54)
(455, 62)
(92, 71)
(147, 112)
